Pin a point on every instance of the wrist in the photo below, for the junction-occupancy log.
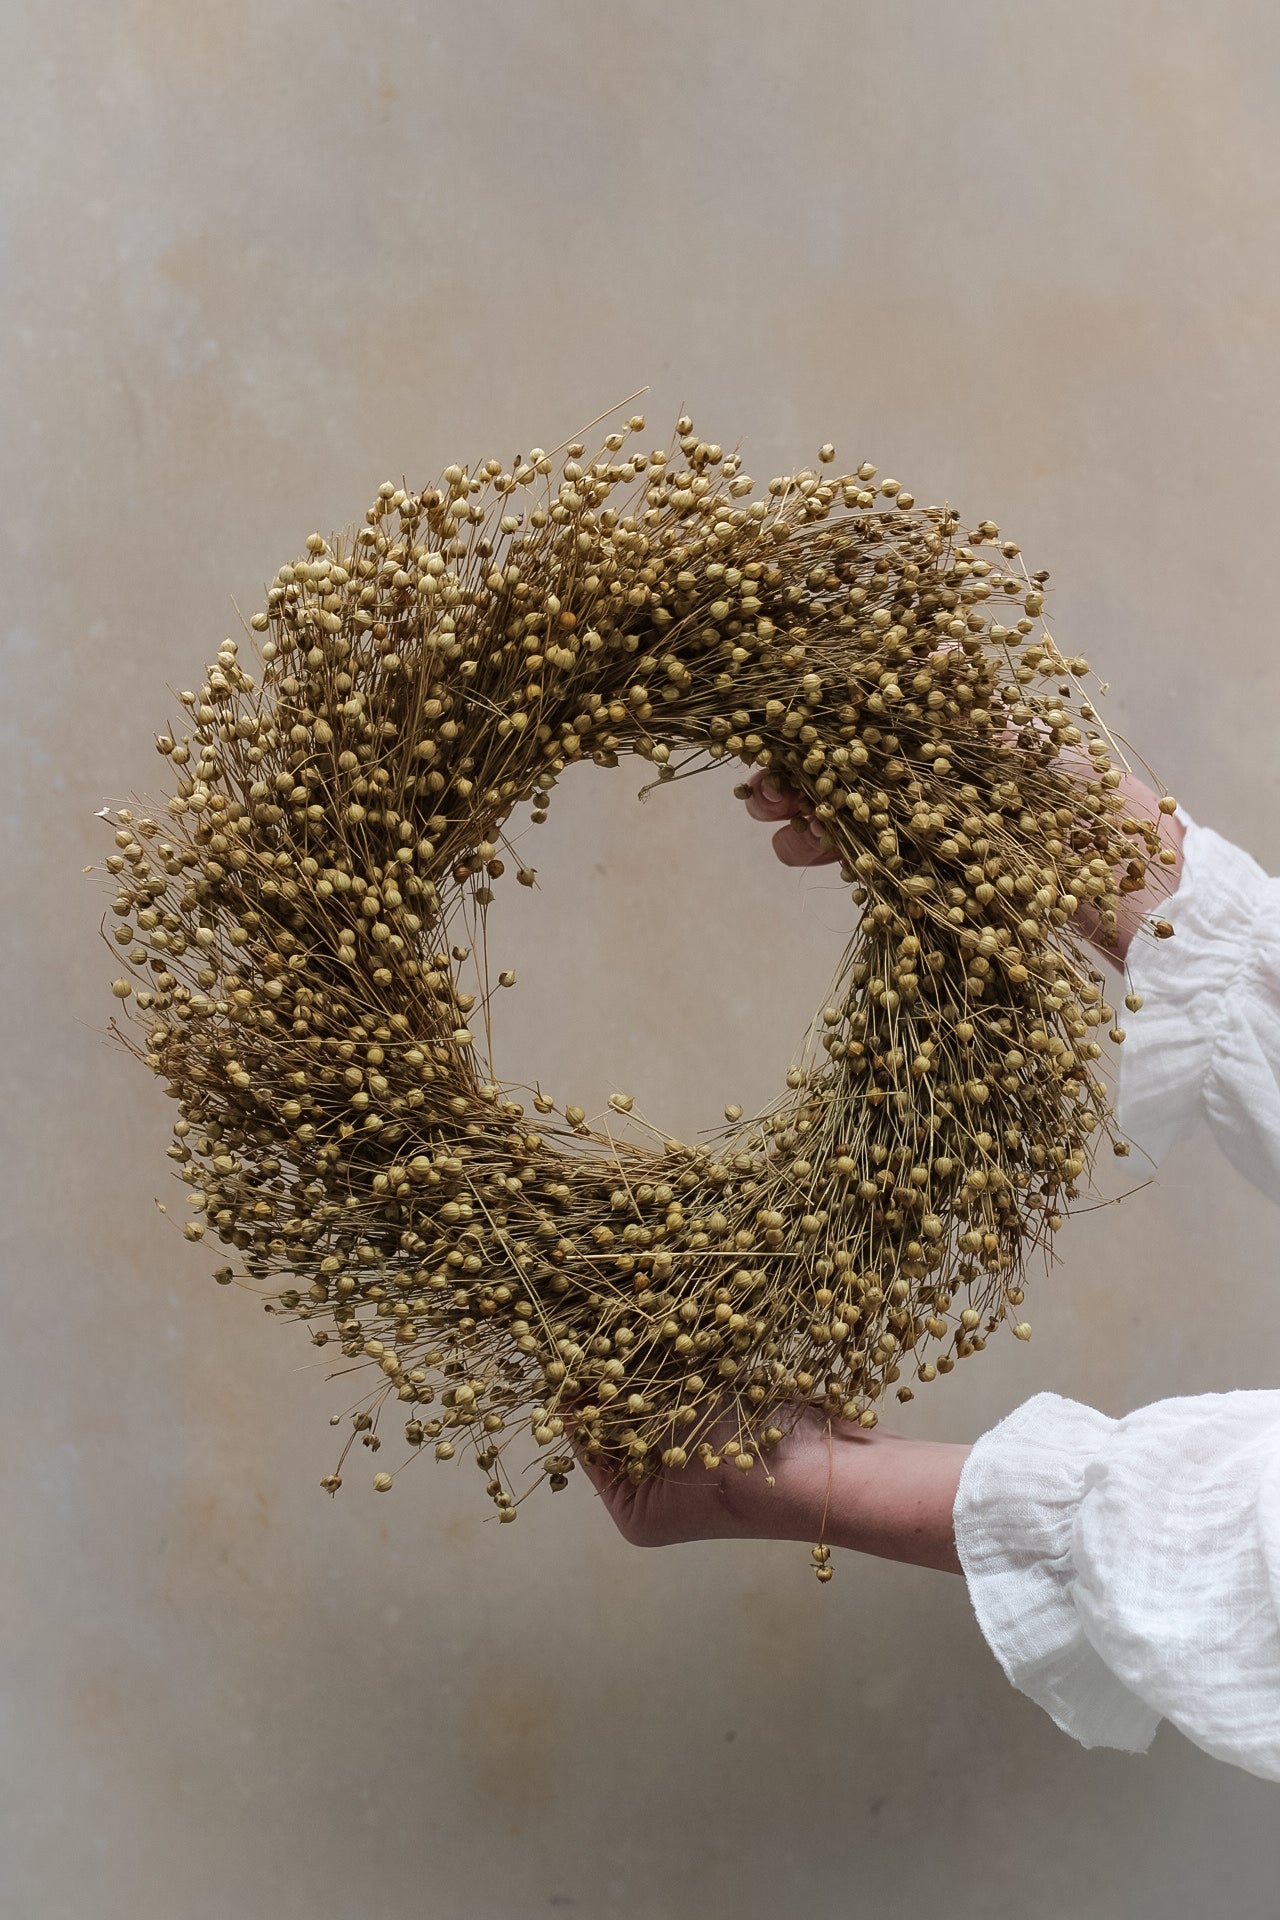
(898, 1503)
(868, 1491)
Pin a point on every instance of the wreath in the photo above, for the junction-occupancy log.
(307, 937)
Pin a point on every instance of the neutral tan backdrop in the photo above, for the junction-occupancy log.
(258, 258)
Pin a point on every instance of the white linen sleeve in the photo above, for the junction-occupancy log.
(1206, 1042)
(1125, 1571)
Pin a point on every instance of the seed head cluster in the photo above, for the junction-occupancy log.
(300, 931)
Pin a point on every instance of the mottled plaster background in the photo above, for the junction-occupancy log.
(257, 259)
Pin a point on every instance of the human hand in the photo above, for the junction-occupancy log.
(1163, 875)
(722, 1501)
(800, 841)
(838, 1482)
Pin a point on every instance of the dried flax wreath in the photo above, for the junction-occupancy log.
(298, 945)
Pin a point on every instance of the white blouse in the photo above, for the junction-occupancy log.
(1125, 1571)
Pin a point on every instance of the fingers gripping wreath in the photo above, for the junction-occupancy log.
(301, 929)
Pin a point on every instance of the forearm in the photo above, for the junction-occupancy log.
(874, 1493)
(902, 1510)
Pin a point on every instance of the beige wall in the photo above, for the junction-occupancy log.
(258, 258)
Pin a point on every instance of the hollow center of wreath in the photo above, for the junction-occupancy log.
(663, 952)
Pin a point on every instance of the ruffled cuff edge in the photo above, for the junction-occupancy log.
(1015, 1515)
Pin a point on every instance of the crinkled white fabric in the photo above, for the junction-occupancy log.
(1125, 1571)
(1206, 1042)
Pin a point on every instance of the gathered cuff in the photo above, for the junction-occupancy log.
(1207, 1040)
(1191, 987)
(1015, 1517)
